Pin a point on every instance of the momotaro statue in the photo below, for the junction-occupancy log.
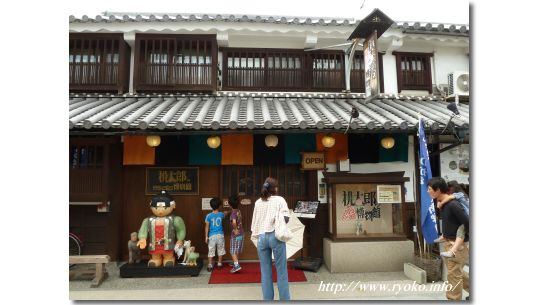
(134, 251)
(164, 230)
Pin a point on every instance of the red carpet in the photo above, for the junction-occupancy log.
(250, 273)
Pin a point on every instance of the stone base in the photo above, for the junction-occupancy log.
(142, 270)
(367, 256)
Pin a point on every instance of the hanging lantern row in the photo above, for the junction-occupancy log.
(270, 141)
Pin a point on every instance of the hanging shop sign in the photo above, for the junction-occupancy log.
(174, 180)
(371, 67)
(313, 161)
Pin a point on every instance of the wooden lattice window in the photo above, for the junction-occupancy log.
(88, 170)
(98, 62)
(282, 70)
(414, 71)
(176, 62)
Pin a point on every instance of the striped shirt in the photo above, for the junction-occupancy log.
(263, 218)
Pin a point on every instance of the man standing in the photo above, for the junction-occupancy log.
(453, 216)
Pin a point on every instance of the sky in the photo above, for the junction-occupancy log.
(447, 11)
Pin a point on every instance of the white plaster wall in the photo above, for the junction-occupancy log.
(389, 74)
(365, 168)
(448, 60)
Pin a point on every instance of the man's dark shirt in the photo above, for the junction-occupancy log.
(453, 216)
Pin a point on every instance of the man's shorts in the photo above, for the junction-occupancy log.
(236, 244)
(218, 242)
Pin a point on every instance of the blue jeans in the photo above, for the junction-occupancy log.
(267, 244)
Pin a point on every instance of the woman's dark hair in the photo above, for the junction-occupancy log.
(269, 188)
(233, 201)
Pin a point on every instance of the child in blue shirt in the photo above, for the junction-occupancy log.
(214, 234)
(456, 194)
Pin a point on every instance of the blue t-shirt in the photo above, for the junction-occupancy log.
(215, 223)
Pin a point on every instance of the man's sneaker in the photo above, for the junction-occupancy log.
(219, 266)
(231, 264)
(235, 269)
(209, 268)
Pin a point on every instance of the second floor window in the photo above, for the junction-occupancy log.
(282, 69)
(175, 62)
(414, 71)
(98, 62)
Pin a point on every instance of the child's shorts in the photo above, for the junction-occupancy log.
(236, 244)
(216, 241)
(461, 232)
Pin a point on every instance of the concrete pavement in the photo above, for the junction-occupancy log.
(321, 285)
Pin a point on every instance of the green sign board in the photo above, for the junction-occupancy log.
(173, 180)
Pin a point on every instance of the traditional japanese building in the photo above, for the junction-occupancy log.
(210, 105)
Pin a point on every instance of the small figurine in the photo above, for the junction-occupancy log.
(187, 246)
(134, 251)
(193, 256)
(162, 231)
(359, 230)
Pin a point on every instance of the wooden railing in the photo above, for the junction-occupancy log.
(282, 70)
(98, 62)
(176, 62)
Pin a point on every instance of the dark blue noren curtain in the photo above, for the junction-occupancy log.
(363, 148)
(201, 154)
(268, 155)
(397, 153)
(295, 143)
(173, 151)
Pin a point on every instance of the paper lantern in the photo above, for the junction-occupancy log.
(213, 142)
(153, 141)
(387, 142)
(328, 141)
(271, 140)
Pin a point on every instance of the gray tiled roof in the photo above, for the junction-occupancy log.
(425, 27)
(261, 111)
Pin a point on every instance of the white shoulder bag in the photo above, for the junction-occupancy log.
(282, 232)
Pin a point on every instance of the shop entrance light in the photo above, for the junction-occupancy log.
(387, 142)
(328, 141)
(271, 140)
(213, 142)
(153, 141)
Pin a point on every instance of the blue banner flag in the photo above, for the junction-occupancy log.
(428, 219)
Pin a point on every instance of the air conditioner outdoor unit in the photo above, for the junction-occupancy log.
(458, 83)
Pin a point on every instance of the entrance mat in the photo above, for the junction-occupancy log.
(250, 273)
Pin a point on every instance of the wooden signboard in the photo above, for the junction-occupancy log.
(371, 67)
(313, 161)
(174, 180)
